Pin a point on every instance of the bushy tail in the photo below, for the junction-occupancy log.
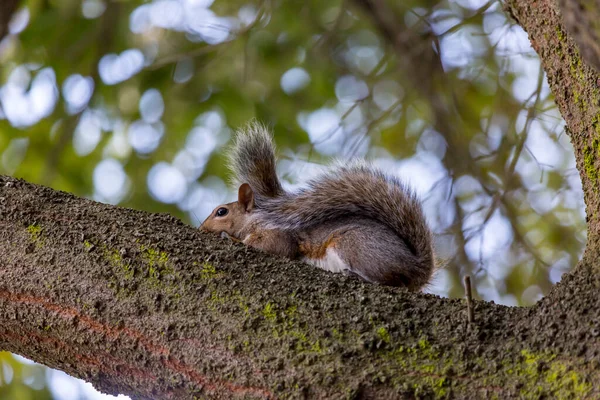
(252, 160)
(357, 190)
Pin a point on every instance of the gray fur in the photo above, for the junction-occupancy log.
(252, 160)
(355, 199)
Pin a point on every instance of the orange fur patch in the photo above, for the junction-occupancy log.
(317, 251)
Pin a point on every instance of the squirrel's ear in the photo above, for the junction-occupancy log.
(246, 197)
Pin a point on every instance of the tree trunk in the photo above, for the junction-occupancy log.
(144, 305)
(582, 20)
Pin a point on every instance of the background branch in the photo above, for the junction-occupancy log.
(7, 9)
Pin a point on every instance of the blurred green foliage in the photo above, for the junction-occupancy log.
(172, 79)
(21, 381)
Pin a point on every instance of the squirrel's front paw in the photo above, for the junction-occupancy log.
(225, 235)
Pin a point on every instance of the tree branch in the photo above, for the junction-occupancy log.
(144, 305)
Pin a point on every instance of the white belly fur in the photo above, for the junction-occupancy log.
(331, 262)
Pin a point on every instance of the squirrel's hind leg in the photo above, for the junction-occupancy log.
(330, 261)
(318, 248)
(372, 251)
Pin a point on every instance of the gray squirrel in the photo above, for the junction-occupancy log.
(353, 219)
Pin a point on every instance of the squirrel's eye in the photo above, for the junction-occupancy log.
(221, 212)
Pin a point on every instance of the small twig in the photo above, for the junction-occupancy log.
(470, 314)
(200, 51)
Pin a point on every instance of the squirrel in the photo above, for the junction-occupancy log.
(353, 219)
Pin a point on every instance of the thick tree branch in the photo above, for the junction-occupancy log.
(142, 304)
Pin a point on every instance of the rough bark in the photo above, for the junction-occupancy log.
(142, 304)
(582, 21)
